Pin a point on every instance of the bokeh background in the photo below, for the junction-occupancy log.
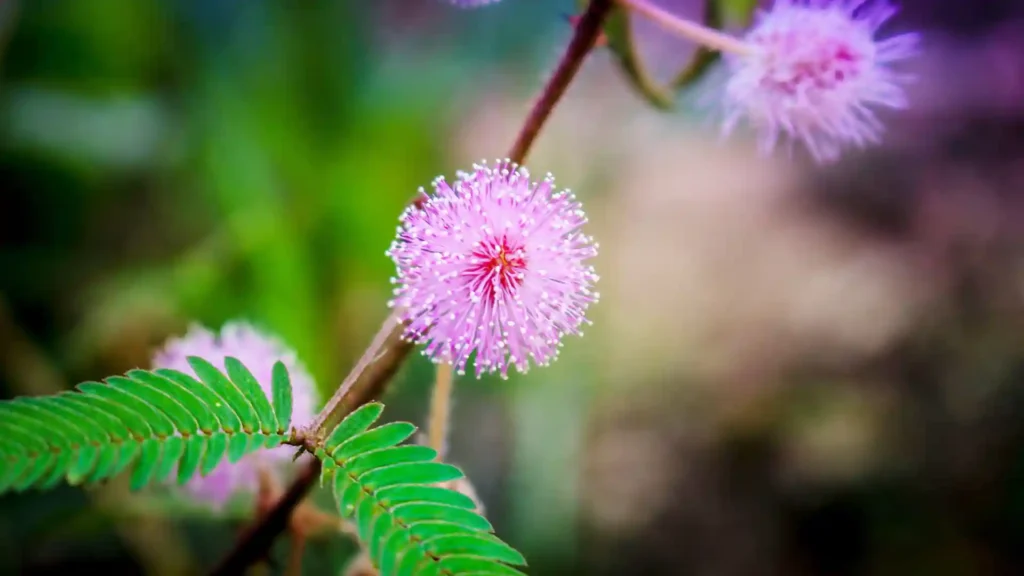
(793, 369)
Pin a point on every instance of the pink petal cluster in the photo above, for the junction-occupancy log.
(815, 72)
(493, 264)
(259, 352)
(472, 3)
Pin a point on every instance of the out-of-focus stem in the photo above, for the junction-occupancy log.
(709, 37)
(440, 410)
(295, 554)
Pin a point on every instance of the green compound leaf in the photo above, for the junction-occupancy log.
(155, 425)
(253, 392)
(229, 391)
(407, 522)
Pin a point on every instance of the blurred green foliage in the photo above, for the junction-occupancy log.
(164, 162)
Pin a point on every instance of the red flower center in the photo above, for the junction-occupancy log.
(497, 267)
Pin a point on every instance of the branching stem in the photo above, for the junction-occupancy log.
(388, 349)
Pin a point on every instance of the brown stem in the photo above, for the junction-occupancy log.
(255, 542)
(588, 30)
(335, 407)
(366, 382)
(295, 554)
(388, 350)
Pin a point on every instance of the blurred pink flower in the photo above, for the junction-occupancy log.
(472, 3)
(259, 352)
(813, 73)
(495, 264)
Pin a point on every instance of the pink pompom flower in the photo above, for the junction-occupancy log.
(258, 351)
(493, 264)
(814, 72)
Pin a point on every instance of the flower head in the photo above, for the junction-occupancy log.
(258, 352)
(493, 264)
(813, 73)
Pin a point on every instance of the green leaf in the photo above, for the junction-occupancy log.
(12, 470)
(126, 456)
(247, 383)
(398, 455)
(434, 528)
(110, 424)
(149, 457)
(216, 446)
(136, 424)
(183, 421)
(395, 495)
(426, 511)
(37, 469)
(229, 421)
(183, 394)
(105, 463)
(227, 390)
(414, 564)
(179, 418)
(481, 545)
(56, 468)
(238, 446)
(157, 421)
(346, 493)
(47, 426)
(353, 424)
(83, 465)
(189, 464)
(282, 392)
(405, 520)
(173, 450)
(393, 550)
(474, 565)
(85, 428)
(154, 423)
(383, 437)
(414, 473)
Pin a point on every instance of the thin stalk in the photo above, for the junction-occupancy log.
(440, 410)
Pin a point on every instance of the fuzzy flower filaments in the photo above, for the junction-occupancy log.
(493, 264)
(813, 72)
(259, 352)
